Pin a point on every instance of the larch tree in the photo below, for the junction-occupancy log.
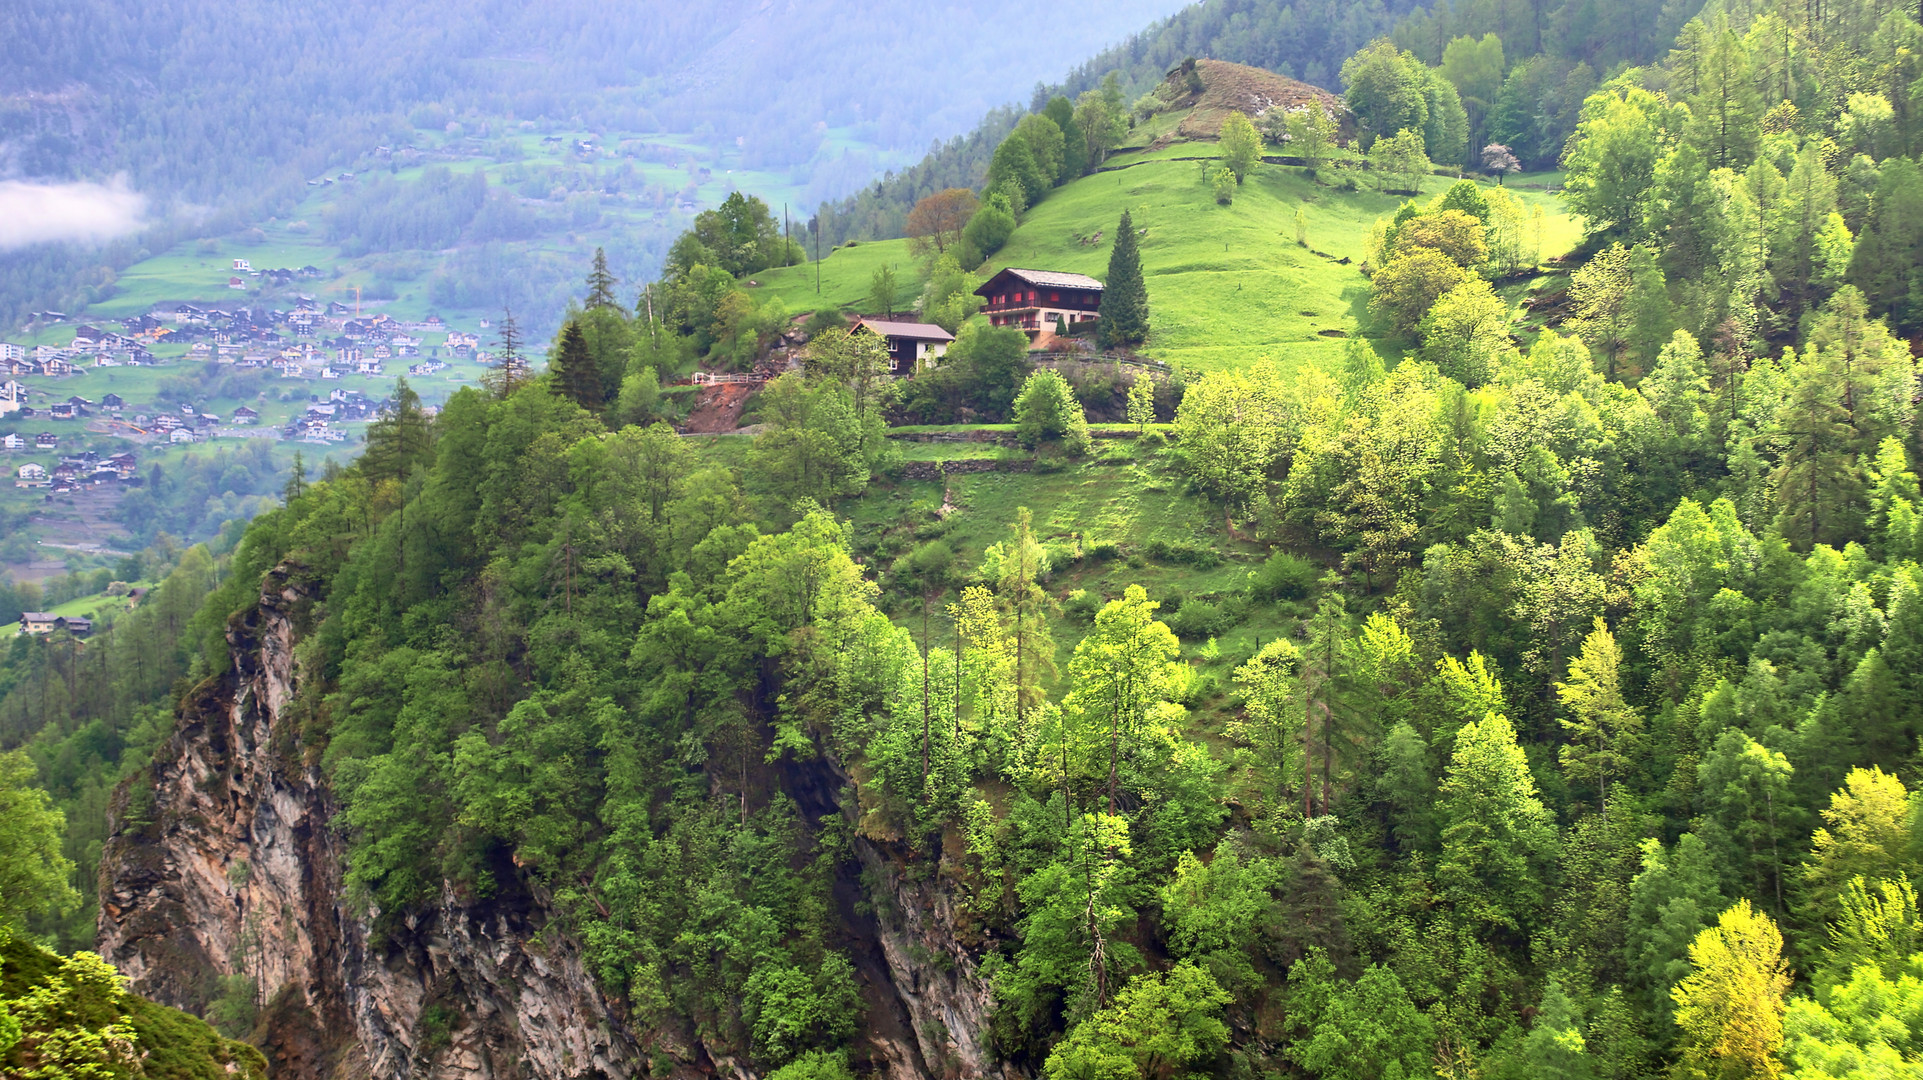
(1120, 672)
(884, 292)
(1021, 565)
(1728, 108)
(510, 371)
(1498, 839)
(1605, 731)
(1865, 833)
(1730, 1005)
(1141, 401)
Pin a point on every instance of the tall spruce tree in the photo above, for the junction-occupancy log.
(1125, 298)
(601, 284)
(573, 375)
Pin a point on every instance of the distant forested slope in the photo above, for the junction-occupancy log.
(221, 112)
(1305, 39)
(197, 101)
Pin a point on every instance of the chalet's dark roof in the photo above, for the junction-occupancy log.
(1047, 279)
(916, 330)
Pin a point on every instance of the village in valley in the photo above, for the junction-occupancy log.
(319, 366)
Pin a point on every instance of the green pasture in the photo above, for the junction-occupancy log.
(1228, 285)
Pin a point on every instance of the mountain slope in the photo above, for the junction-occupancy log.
(1228, 285)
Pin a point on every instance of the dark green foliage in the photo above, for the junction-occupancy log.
(572, 372)
(992, 225)
(1124, 310)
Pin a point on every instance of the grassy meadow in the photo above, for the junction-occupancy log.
(1228, 285)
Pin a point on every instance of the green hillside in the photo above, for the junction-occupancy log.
(1228, 285)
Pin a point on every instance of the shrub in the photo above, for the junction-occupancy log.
(1283, 576)
(1200, 619)
(1046, 411)
(1082, 605)
(1183, 554)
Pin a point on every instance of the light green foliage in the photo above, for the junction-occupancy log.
(1075, 144)
(1270, 723)
(1864, 1027)
(1221, 181)
(1465, 333)
(884, 293)
(1407, 288)
(1233, 425)
(1311, 132)
(1076, 907)
(1605, 732)
(1726, 108)
(812, 447)
(1367, 1029)
(1241, 146)
(33, 872)
(1209, 910)
(1399, 161)
(949, 299)
(1730, 1005)
(1498, 840)
(1047, 143)
(1386, 90)
(1141, 401)
(1103, 121)
(792, 1011)
(1611, 162)
(1046, 412)
(815, 1065)
(1122, 675)
(1746, 787)
(990, 228)
(73, 1023)
(1475, 68)
(1159, 1023)
(1671, 900)
(1876, 925)
(1554, 1049)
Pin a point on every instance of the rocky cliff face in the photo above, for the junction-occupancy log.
(223, 861)
(932, 974)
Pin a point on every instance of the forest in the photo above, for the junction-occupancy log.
(1588, 749)
(220, 116)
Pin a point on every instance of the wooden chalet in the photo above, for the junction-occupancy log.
(911, 345)
(1040, 300)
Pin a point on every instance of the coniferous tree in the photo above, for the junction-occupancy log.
(573, 375)
(399, 440)
(511, 372)
(601, 284)
(1124, 310)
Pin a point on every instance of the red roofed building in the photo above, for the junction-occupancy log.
(1036, 300)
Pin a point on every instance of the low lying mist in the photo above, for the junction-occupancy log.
(39, 213)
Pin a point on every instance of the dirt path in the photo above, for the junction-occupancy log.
(717, 409)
